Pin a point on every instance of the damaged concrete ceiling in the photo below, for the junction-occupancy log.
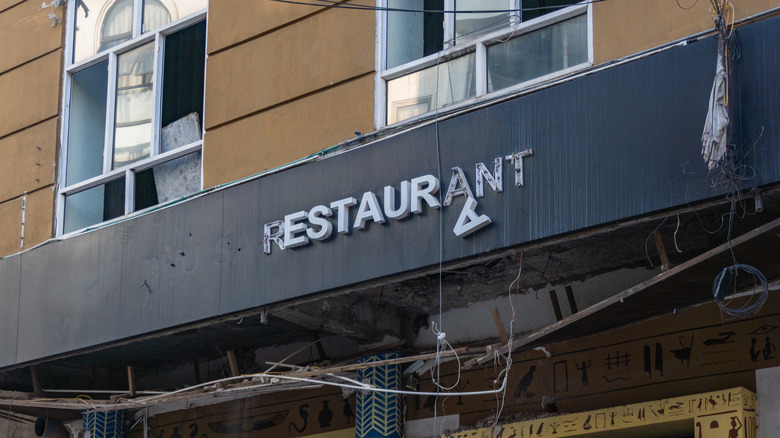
(395, 308)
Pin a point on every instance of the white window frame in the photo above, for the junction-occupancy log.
(156, 157)
(514, 29)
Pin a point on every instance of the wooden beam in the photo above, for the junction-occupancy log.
(35, 382)
(131, 381)
(572, 302)
(196, 370)
(231, 357)
(399, 360)
(315, 337)
(556, 305)
(500, 326)
(659, 245)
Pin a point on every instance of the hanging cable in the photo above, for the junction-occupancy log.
(755, 300)
(340, 5)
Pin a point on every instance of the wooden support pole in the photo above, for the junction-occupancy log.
(659, 245)
(35, 382)
(231, 356)
(196, 369)
(131, 381)
(315, 337)
(570, 297)
(500, 326)
(556, 305)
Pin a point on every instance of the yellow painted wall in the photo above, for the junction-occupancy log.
(727, 413)
(26, 33)
(29, 159)
(283, 81)
(269, 139)
(622, 28)
(30, 88)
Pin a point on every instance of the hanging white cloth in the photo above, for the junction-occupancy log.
(714, 137)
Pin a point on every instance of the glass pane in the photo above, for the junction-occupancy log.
(182, 104)
(101, 24)
(536, 8)
(538, 53)
(413, 35)
(134, 105)
(95, 205)
(473, 24)
(168, 181)
(158, 13)
(435, 87)
(87, 124)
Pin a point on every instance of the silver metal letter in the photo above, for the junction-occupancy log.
(468, 221)
(517, 159)
(458, 179)
(269, 235)
(423, 188)
(403, 209)
(368, 209)
(317, 217)
(342, 219)
(495, 181)
(295, 229)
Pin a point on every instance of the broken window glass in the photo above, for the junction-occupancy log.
(87, 124)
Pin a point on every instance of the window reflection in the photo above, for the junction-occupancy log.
(102, 24)
(134, 105)
(432, 88)
(472, 24)
(538, 53)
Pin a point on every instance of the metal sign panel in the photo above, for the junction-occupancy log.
(616, 144)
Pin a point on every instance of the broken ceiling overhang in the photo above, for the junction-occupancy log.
(684, 285)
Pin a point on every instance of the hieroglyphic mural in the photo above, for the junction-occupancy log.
(691, 351)
(307, 412)
(730, 413)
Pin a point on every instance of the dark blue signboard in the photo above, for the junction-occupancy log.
(612, 145)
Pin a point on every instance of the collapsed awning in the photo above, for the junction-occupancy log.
(684, 285)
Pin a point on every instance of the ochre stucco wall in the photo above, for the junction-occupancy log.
(30, 88)
(622, 28)
(283, 81)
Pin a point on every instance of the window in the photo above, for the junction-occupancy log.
(431, 59)
(133, 107)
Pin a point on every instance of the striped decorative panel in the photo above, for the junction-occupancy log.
(379, 413)
(102, 424)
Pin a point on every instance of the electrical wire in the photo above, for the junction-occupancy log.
(647, 254)
(340, 5)
(508, 357)
(689, 7)
(754, 302)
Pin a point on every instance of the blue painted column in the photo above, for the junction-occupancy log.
(102, 424)
(379, 413)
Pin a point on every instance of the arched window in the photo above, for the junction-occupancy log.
(118, 24)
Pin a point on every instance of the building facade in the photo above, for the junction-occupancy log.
(528, 217)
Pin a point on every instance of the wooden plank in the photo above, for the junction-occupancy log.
(231, 357)
(500, 326)
(659, 245)
(131, 381)
(318, 343)
(400, 360)
(556, 305)
(572, 302)
(35, 382)
(196, 370)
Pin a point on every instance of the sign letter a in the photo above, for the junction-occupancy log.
(468, 221)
